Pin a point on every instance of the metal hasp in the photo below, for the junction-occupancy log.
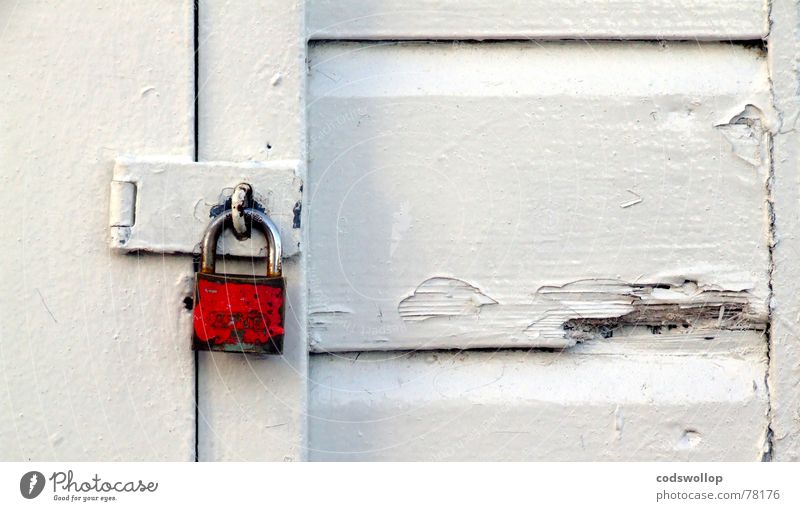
(163, 204)
(239, 313)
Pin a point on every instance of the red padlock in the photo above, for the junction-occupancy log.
(239, 313)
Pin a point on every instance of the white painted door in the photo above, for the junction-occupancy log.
(528, 242)
(540, 231)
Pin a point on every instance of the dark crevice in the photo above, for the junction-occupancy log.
(767, 456)
(196, 35)
(196, 78)
(755, 44)
(439, 351)
(771, 240)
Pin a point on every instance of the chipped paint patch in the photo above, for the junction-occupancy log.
(690, 439)
(747, 135)
(442, 297)
(595, 309)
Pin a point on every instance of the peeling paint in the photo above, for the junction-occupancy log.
(673, 313)
(747, 135)
(587, 309)
(595, 309)
(442, 297)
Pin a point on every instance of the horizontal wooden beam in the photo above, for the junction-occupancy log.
(645, 403)
(719, 20)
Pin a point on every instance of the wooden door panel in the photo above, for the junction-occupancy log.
(530, 195)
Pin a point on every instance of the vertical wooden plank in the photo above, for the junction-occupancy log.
(784, 371)
(251, 69)
(91, 367)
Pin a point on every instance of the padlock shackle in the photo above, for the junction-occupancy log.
(257, 219)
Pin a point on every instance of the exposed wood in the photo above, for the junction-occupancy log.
(784, 369)
(537, 19)
(171, 203)
(592, 309)
(478, 195)
(645, 404)
(92, 361)
(252, 75)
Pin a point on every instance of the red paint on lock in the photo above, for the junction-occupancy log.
(237, 310)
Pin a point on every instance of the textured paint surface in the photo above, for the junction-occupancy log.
(451, 185)
(537, 19)
(94, 358)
